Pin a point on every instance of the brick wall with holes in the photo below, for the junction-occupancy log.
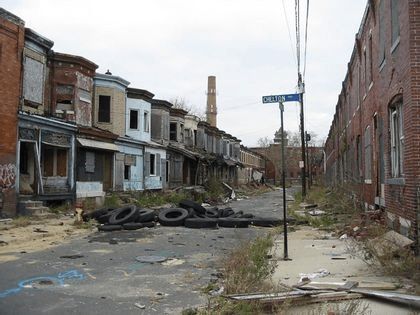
(11, 47)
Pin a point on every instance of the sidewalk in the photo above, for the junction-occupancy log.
(312, 250)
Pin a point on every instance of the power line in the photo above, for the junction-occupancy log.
(288, 30)
(297, 25)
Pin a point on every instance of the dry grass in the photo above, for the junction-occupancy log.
(22, 221)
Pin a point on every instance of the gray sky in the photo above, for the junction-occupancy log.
(170, 47)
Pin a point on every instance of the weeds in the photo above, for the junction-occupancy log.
(84, 225)
(21, 221)
(112, 201)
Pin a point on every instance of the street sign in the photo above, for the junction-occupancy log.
(281, 98)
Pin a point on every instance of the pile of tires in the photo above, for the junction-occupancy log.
(128, 218)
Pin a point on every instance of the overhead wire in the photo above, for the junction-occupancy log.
(306, 39)
(290, 34)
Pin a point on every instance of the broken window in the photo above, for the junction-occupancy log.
(172, 132)
(381, 33)
(33, 80)
(146, 124)
(134, 119)
(368, 154)
(104, 110)
(397, 139)
(395, 23)
(90, 162)
(127, 172)
(64, 98)
(152, 166)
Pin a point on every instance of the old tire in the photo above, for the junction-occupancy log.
(132, 226)
(96, 213)
(226, 212)
(212, 213)
(124, 215)
(266, 222)
(233, 222)
(173, 216)
(145, 215)
(103, 219)
(109, 228)
(200, 223)
(149, 224)
(191, 204)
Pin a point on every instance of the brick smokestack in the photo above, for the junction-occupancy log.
(211, 112)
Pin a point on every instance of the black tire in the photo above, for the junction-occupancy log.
(173, 216)
(103, 219)
(212, 213)
(132, 226)
(186, 204)
(149, 224)
(238, 214)
(266, 222)
(200, 223)
(226, 212)
(233, 222)
(109, 228)
(96, 213)
(247, 216)
(124, 215)
(145, 215)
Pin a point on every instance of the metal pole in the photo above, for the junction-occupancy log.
(283, 179)
(302, 138)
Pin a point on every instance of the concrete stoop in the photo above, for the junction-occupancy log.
(33, 208)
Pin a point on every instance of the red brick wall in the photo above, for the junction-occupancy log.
(400, 75)
(11, 47)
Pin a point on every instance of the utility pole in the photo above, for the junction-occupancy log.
(301, 88)
(308, 163)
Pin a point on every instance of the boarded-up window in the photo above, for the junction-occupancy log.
(90, 162)
(134, 119)
(130, 159)
(368, 154)
(104, 111)
(54, 161)
(33, 80)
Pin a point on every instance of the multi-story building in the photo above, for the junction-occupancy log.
(373, 143)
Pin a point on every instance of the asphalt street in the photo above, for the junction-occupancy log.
(101, 275)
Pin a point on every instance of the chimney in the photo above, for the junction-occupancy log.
(211, 112)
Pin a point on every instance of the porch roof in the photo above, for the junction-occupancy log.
(94, 144)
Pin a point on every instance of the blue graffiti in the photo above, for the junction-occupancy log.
(57, 280)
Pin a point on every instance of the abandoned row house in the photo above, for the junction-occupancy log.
(373, 144)
(70, 133)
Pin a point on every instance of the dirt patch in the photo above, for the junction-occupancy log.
(37, 236)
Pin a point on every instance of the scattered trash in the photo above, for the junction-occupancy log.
(3, 243)
(356, 228)
(406, 299)
(217, 292)
(338, 258)
(151, 259)
(113, 241)
(344, 237)
(315, 212)
(309, 276)
(173, 262)
(72, 256)
(38, 230)
(140, 306)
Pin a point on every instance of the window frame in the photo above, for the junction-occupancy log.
(136, 116)
(396, 130)
(100, 104)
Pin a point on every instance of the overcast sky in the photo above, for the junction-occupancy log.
(170, 48)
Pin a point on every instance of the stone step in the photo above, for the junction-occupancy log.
(37, 211)
(32, 203)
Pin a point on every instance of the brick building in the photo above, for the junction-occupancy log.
(373, 144)
(11, 47)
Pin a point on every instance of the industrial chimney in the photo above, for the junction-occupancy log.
(211, 112)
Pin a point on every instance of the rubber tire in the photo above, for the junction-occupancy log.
(173, 216)
(146, 215)
(109, 228)
(103, 219)
(233, 222)
(238, 214)
(124, 215)
(96, 213)
(150, 224)
(191, 204)
(132, 226)
(266, 222)
(212, 213)
(247, 216)
(226, 212)
(200, 223)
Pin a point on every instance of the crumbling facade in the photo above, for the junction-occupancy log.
(372, 148)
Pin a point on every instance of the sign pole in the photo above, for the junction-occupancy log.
(283, 179)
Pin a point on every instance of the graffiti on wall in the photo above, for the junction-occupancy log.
(7, 176)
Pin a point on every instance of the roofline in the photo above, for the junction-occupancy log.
(30, 34)
(56, 56)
